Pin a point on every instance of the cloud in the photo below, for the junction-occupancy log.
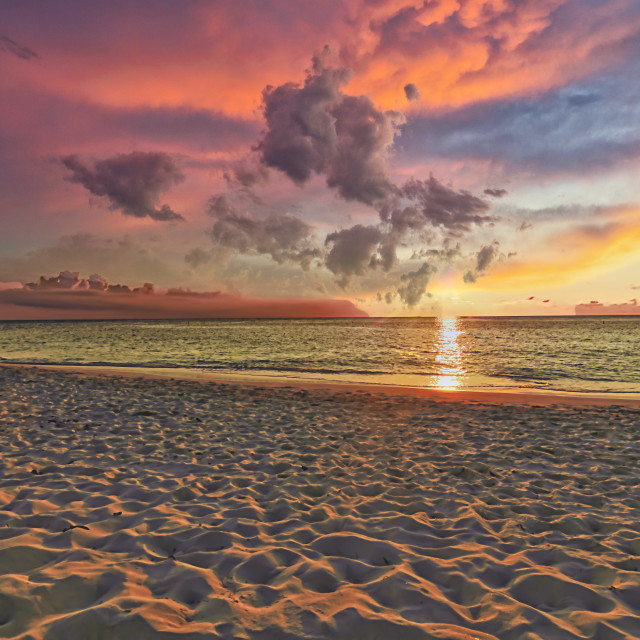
(353, 251)
(71, 281)
(115, 257)
(248, 172)
(97, 282)
(459, 50)
(197, 257)
(471, 51)
(411, 92)
(317, 129)
(496, 193)
(69, 297)
(589, 125)
(282, 236)
(84, 123)
(484, 258)
(415, 284)
(17, 49)
(576, 253)
(595, 308)
(131, 182)
(65, 280)
(445, 255)
(420, 202)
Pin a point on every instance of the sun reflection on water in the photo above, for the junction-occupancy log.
(449, 358)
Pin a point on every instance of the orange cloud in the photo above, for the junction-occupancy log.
(461, 52)
(220, 56)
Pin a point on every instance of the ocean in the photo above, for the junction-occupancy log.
(567, 354)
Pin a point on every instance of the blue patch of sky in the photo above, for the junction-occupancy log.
(585, 125)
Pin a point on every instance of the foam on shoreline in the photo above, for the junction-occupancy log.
(137, 508)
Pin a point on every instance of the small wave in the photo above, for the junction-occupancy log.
(285, 368)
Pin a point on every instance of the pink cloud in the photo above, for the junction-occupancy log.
(595, 308)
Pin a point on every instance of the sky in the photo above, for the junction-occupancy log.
(381, 157)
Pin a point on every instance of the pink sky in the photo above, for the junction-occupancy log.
(412, 158)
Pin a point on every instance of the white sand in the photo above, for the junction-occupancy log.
(137, 508)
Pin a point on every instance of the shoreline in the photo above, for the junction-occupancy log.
(497, 396)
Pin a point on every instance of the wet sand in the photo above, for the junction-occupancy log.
(137, 507)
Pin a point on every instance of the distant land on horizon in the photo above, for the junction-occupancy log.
(595, 308)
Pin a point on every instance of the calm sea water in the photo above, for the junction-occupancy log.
(578, 354)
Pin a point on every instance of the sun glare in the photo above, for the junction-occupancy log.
(448, 354)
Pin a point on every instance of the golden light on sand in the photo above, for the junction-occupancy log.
(449, 357)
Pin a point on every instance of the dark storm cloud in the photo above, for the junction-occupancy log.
(411, 91)
(588, 125)
(415, 284)
(11, 46)
(317, 129)
(282, 236)
(131, 183)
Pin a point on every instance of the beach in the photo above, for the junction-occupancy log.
(142, 507)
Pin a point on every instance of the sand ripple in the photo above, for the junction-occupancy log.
(133, 508)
